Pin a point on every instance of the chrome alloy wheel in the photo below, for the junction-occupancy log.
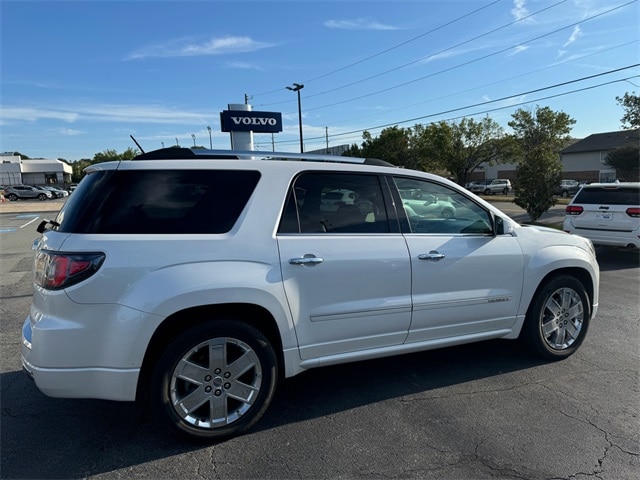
(562, 318)
(215, 383)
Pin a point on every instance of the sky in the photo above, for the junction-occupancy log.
(81, 77)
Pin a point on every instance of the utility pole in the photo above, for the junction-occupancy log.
(296, 88)
(326, 134)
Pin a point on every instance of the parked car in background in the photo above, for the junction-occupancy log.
(567, 188)
(606, 213)
(499, 185)
(57, 192)
(477, 183)
(22, 192)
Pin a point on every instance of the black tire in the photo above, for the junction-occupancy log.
(487, 191)
(221, 398)
(447, 213)
(558, 318)
(42, 196)
(505, 191)
(12, 197)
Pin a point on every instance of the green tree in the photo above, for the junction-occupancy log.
(108, 155)
(539, 135)
(631, 104)
(393, 146)
(625, 160)
(460, 148)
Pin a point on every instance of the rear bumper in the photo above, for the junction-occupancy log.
(608, 238)
(81, 382)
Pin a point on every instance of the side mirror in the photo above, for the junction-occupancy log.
(497, 224)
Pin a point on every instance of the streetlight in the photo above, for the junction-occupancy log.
(296, 88)
(210, 141)
(194, 139)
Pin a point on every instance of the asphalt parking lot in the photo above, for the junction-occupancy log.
(481, 411)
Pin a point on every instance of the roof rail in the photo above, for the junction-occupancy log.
(175, 153)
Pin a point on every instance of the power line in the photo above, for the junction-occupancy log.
(386, 50)
(421, 59)
(445, 112)
(404, 84)
(414, 104)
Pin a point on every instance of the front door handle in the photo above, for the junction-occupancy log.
(433, 255)
(306, 260)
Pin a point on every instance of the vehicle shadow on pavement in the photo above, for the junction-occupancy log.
(81, 438)
(617, 258)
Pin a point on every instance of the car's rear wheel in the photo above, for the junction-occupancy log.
(214, 381)
(447, 213)
(558, 318)
(487, 191)
(42, 196)
(12, 197)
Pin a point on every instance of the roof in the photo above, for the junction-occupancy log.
(175, 153)
(605, 141)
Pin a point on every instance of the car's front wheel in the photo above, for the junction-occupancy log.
(12, 197)
(558, 318)
(214, 380)
(487, 191)
(42, 196)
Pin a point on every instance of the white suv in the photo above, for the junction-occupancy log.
(606, 213)
(193, 281)
(499, 185)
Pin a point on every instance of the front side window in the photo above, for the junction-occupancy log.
(321, 202)
(437, 209)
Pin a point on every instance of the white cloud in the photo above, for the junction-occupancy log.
(243, 66)
(31, 114)
(575, 35)
(106, 113)
(358, 24)
(519, 10)
(187, 48)
(69, 132)
(518, 49)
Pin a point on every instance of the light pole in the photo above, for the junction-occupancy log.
(210, 141)
(296, 88)
(194, 139)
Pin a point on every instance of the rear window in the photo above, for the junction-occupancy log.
(608, 196)
(158, 201)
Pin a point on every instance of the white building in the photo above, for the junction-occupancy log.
(14, 170)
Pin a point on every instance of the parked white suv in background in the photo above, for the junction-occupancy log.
(193, 281)
(606, 213)
(499, 185)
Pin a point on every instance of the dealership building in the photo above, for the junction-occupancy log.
(14, 170)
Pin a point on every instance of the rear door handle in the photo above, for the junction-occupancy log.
(433, 255)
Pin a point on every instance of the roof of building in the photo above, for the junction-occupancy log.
(598, 142)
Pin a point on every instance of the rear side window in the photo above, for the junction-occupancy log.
(158, 201)
(608, 196)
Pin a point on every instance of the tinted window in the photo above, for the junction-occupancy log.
(320, 202)
(158, 201)
(437, 209)
(608, 196)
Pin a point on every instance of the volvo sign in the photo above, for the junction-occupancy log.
(248, 121)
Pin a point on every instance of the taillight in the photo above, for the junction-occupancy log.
(573, 210)
(55, 270)
(633, 212)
